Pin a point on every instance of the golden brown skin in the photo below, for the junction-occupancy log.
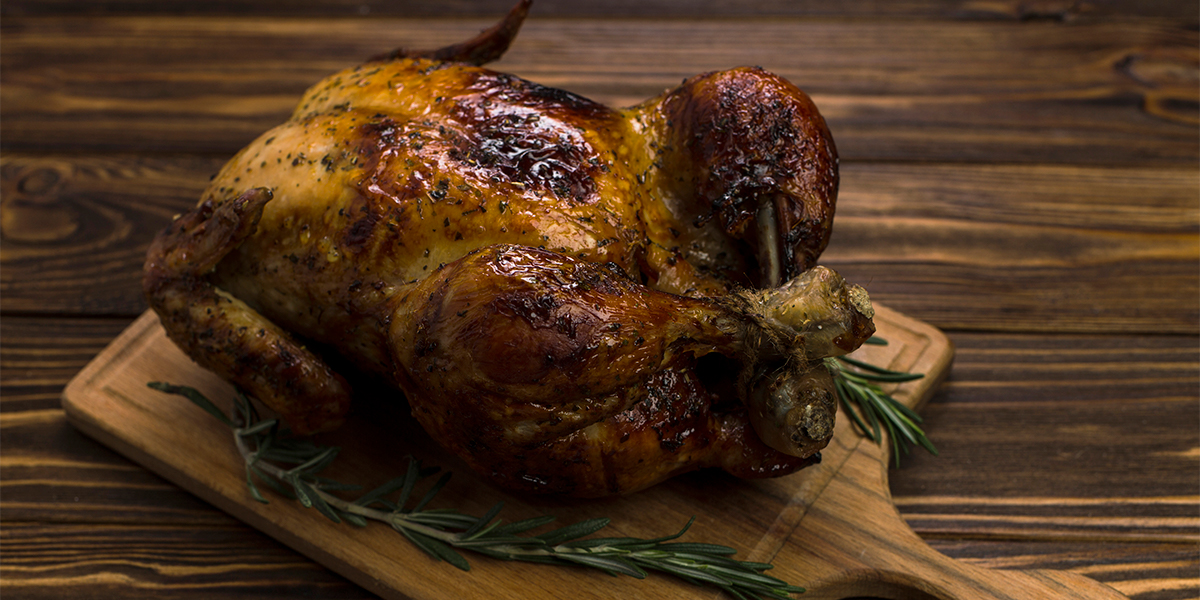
(558, 288)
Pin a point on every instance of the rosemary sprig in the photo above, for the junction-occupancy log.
(270, 452)
(871, 409)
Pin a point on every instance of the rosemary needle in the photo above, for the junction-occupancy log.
(871, 409)
(269, 453)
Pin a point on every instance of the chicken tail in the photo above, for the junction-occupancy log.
(484, 48)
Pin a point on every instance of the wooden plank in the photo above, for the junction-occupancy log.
(1047, 413)
(1065, 11)
(153, 562)
(977, 296)
(53, 474)
(1017, 247)
(1118, 199)
(159, 562)
(39, 356)
(1141, 571)
(1109, 93)
(993, 247)
(76, 228)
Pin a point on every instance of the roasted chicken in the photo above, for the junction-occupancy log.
(571, 298)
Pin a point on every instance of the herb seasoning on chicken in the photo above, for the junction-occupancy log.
(573, 299)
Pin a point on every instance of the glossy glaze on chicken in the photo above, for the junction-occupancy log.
(571, 298)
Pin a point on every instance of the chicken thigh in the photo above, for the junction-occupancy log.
(571, 298)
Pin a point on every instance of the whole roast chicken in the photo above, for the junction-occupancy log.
(572, 299)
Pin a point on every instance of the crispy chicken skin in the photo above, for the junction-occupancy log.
(573, 299)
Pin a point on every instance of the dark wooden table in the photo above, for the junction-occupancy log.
(1022, 175)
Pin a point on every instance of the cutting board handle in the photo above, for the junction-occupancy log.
(856, 539)
(851, 541)
(914, 570)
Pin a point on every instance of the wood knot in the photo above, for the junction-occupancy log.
(1168, 80)
(33, 209)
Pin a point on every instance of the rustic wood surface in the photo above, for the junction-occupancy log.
(1022, 175)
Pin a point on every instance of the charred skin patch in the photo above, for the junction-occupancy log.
(676, 409)
(360, 232)
(518, 131)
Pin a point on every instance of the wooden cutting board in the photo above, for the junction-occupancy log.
(831, 528)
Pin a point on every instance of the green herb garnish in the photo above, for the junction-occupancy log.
(290, 465)
(871, 409)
